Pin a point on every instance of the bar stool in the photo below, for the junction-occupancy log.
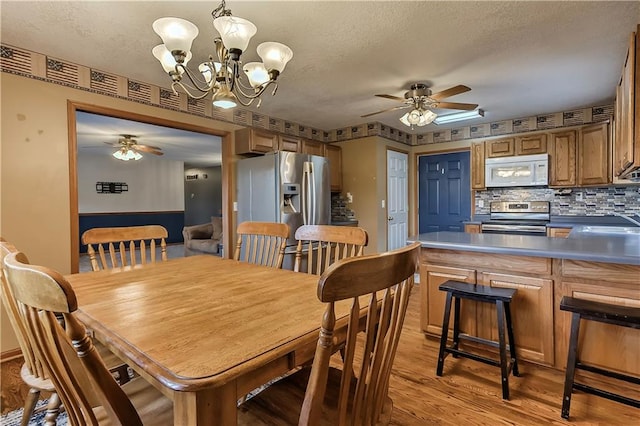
(502, 298)
(625, 316)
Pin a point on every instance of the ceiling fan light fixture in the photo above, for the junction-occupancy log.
(418, 117)
(125, 154)
(460, 116)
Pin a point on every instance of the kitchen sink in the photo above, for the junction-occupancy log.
(607, 230)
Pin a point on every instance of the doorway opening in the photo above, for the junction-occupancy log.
(159, 191)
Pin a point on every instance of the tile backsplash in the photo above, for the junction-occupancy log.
(578, 202)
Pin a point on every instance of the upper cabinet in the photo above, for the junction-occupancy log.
(289, 143)
(562, 158)
(500, 148)
(334, 154)
(312, 147)
(529, 145)
(477, 165)
(627, 112)
(255, 141)
(593, 155)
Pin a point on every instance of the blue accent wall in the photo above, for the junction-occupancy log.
(173, 221)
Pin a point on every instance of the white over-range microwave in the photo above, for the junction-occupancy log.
(522, 170)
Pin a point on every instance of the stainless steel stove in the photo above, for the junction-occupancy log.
(517, 217)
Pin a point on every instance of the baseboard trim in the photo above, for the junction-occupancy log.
(10, 355)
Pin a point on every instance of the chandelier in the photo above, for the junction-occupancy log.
(221, 77)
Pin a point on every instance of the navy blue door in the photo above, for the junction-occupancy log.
(444, 192)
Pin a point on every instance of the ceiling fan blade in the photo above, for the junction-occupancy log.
(394, 98)
(455, 90)
(386, 110)
(117, 144)
(456, 105)
(149, 146)
(145, 148)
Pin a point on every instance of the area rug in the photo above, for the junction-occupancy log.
(13, 418)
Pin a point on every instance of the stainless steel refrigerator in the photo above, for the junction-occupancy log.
(284, 187)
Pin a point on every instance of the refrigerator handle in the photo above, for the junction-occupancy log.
(307, 200)
(305, 194)
(312, 191)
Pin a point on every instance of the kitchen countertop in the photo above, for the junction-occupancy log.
(595, 248)
(565, 221)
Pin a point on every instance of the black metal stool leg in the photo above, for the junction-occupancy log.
(445, 333)
(512, 342)
(572, 358)
(504, 368)
(456, 324)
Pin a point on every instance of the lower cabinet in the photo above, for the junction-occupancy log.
(431, 315)
(532, 312)
(472, 228)
(558, 232)
(532, 308)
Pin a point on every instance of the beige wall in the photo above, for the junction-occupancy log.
(34, 169)
(364, 175)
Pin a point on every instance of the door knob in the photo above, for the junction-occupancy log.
(389, 218)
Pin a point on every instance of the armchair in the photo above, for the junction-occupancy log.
(205, 238)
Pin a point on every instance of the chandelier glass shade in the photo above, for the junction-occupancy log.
(418, 117)
(126, 154)
(221, 78)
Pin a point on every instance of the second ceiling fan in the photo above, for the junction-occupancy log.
(420, 98)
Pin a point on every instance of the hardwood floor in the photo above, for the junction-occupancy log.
(468, 393)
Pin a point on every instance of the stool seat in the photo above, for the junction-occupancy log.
(478, 292)
(624, 316)
(501, 298)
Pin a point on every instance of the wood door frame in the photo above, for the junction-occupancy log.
(74, 217)
(416, 189)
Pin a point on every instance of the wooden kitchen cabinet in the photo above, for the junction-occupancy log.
(529, 145)
(477, 165)
(289, 143)
(312, 147)
(602, 345)
(500, 148)
(532, 310)
(562, 159)
(626, 145)
(558, 232)
(255, 141)
(334, 154)
(593, 155)
(472, 228)
(431, 276)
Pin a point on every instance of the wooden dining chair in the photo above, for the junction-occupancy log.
(33, 373)
(124, 245)
(262, 243)
(88, 391)
(356, 394)
(321, 245)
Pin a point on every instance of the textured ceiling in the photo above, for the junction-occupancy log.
(194, 149)
(519, 58)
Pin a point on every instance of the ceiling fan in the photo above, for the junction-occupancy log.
(420, 98)
(129, 148)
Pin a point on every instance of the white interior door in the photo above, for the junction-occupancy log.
(397, 197)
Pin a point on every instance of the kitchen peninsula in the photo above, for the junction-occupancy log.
(543, 270)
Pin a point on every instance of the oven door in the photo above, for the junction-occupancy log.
(493, 228)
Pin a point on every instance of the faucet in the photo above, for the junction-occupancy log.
(628, 218)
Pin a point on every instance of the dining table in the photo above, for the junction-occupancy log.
(204, 330)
